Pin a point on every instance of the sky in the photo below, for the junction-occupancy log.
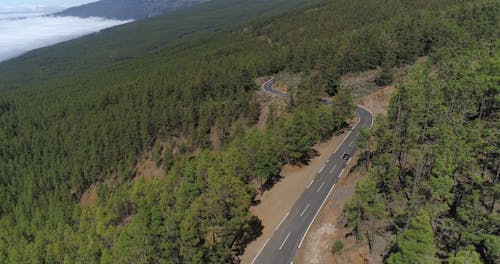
(13, 5)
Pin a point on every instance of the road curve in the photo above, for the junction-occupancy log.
(288, 237)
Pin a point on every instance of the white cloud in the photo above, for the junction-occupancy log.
(20, 33)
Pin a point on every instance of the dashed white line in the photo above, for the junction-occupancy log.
(310, 184)
(284, 241)
(350, 144)
(282, 220)
(258, 253)
(331, 171)
(319, 189)
(305, 209)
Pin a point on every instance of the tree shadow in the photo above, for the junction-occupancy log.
(250, 234)
(269, 184)
(311, 154)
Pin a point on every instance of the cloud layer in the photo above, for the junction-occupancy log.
(20, 33)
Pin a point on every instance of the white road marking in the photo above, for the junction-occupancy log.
(331, 189)
(320, 170)
(369, 111)
(305, 209)
(350, 144)
(321, 186)
(310, 184)
(282, 220)
(342, 172)
(342, 143)
(284, 241)
(258, 253)
(331, 171)
(316, 215)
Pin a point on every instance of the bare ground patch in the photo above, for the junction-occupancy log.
(363, 83)
(148, 169)
(89, 197)
(378, 101)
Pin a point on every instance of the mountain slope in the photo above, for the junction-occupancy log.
(73, 123)
(124, 43)
(128, 9)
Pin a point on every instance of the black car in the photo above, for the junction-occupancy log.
(346, 156)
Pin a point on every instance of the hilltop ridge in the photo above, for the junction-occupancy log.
(128, 9)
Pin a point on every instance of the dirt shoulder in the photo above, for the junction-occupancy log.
(277, 201)
(329, 225)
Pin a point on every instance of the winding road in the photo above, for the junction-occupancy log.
(290, 233)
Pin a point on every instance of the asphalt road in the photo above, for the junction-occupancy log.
(290, 233)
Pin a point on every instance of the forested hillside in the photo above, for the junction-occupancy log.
(133, 41)
(431, 194)
(60, 136)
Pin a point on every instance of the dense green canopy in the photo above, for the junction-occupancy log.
(436, 165)
(68, 124)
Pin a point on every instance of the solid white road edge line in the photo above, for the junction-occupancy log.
(310, 184)
(284, 241)
(319, 189)
(342, 172)
(282, 220)
(305, 209)
(371, 114)
(258, 253)
(316, 215)
(320, 170)
(342, 143)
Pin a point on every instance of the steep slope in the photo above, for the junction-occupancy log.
(431, 191)
(73, 121)
(128, 9)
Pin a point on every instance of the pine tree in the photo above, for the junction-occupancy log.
(416, 245)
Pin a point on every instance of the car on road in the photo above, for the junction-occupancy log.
(346, 156)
